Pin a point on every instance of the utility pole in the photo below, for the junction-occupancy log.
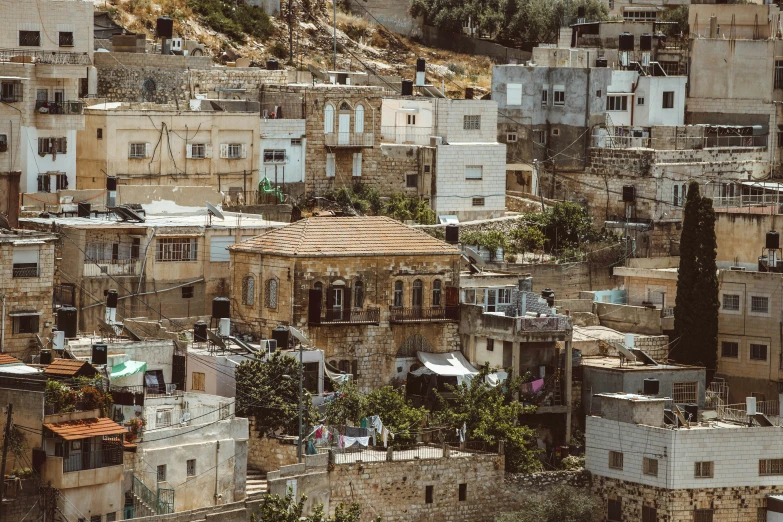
(301, 378)
(5, 450)
(291, 31)
(334, 5)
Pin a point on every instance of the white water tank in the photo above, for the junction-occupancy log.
(225, 327)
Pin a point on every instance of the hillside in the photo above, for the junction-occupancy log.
(245, 31)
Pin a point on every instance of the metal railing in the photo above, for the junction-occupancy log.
(423, 314)
(340, 316)
(738, 412)
(93, 459)
(25, 272)
(45, 57)
(406, 134)
(678, 142)
(53, 107)
(667, 311)
(162, 502)
(748, 200)
(112, 267)
(349, 139)
(162, 390)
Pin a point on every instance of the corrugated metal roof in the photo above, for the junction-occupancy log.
(346, 236)
(85, 428)
(66, 367)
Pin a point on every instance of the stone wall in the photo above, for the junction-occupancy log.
(267, 454)
(535, 486)
(160, 61)
(25, 501)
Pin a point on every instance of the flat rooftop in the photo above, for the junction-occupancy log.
(419, 453)
(197, 217)
(613, 363)
(22, 237)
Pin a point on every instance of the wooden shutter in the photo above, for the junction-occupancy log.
(329, 301)
(244, 151)
(224, 150)
(314, 306)
(347, 304)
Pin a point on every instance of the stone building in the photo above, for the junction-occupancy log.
(371, 292)
(27, 283)
(47, 50)
(644, 469)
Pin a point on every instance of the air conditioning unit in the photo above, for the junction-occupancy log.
(436, 140)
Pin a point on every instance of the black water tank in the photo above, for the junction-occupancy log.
(164, 27)
(99, 354)
(111, 299)
(272, 65)
(651, 386)
(221, 308)
(629, 194)
(645, 42)
(421, 65)
(452, 234)
(691, 412)
(46, 357)
(773, 240)
(580, 11)
(200, 332)
(469, 93)
(626, 42)
(281, 335)
(66, 321)
(111, 183)
(407, 87)
(83, 210)
(601, 62)
(549, 295)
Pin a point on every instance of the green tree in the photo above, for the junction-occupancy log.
(527, 239)
(562, 504)
(404, 208)
(236, 20)
(275, 508)
(397, 412)
(491, 241)
(346, 407)
(269, 390)
(680, 17)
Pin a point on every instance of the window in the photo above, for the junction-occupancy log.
(198, 150)
(504, 296)
(598, 93)
(558, 95)
(771, 467)
(66, 39)
(417, 296)
(328, 119)
(191, 467)
(161, 473)
(411, 119)
(617, 103)
(469, 296)
(478, 202)
(778, 74)
(703, 469)
(41, 95)
(29, 38)
(511, 137)
(759, 305)
(685, 392)
(729, 349)
(135, 247)
(358, 116)
(99, 134)
(248, 290)
(52, 146)
(471, 122)
(358, 294)
(270, 293)
(296, 142)
(398, 294)
(330, 165)
(177, 249)
(428, 494)
(436, 292)
(137, 150)
(427, 168)
(615, 510)
(412, 180)
(11, 92)
(187, 292)
(761, 514)
(544, 94)
(490, 345)
(758, 352)
(668, 99)
(357, 165)
(110, 517)
(677, 200)
(232, 151)
(25, 261)
(649, 514)
(539, 137)
(702, 515)
(474, 172)
(514, 94)
(650, 466)
(274, 156)
(95, 518)
(463, 492)
(615, 460)
(640, 100)
(198, 381)
(25, 324)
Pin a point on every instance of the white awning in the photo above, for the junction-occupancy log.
(22, 314)
(449, 364)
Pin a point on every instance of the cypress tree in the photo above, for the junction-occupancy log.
(686, 278)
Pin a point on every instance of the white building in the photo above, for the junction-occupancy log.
(283, 144)
(646, 469)
(636, 100)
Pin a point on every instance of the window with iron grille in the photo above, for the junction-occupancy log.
(137, 150)
(30, 38)
(52, 145)
(702, 515)
(685, 392)
(296, 142)
(24, 324)
(771, 467)
(650, 466)
(649, 514)
(729, 349)
(731, 302)
(111, 517)
(234, 150)
(478, 202)
(412, 180)
(471, 122)
(614, 510)
(759, 304)
(66, 39)
(11, 92)
(198, 150)
(177, 249)
(248, 290)
(270, 293)
(274, 156)
(703, 469)
(161, 473)
(191, 465)
(778, 74)
(615, 460)
(758, 352)
(187, 292)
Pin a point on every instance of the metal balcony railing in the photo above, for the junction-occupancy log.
(44, 57)
(404, 134)
(112, 267)
(349, 139)
(340, 316)
(679, 142)
(66, 107)
(93, 459)
(25, 272)
(423, 314)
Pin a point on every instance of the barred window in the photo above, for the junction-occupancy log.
(771, 467)
(270, 293)
(650, 466)
(731, 302)
(615, 460)
(471, 122)
(137, 150)
(177, 249)
(759, 304)
(191, 467)
(478, 202)
(729, 349)
(758, 352)
(705, 469)
(684, 392)
(234, 150)
(248, 290)
(702, 515)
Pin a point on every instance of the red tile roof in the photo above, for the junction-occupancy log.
(82, 429)
(66, 367)
(345, 236)
(8, 359)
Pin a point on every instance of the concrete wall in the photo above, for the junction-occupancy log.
(741, 237)
(464, 44)
(745, 23)
(278, 135)
(178, 195)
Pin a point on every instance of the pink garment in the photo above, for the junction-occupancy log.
(537, 385)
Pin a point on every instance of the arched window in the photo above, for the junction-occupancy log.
(436, 292)
(358, 126)
(358, 294)
(318, 286)
(417, 293)
(248, 290)
(328, 119)
(270, 293)
(398, 294)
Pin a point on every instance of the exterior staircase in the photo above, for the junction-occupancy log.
(140, 509)
(256, 484)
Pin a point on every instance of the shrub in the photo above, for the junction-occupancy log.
(235, 20)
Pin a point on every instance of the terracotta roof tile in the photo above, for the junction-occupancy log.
(345, 236)
(8, 359)
(82, 429)
(67, 367)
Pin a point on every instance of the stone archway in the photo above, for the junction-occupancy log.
(411, 345)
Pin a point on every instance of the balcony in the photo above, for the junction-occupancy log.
(340, 316)
(93, 459)
(20, 270)
(424, 315)
(58, 108)
(406, 134)
(111, 267)
(349, 139)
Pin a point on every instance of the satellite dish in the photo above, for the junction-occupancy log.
(473, 256)
(298, 335)
(214, 211)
